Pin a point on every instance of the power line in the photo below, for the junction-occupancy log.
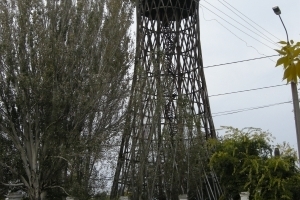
(230, 112)
(239, 61)
(235, 26)
(265, 37)
(252, 20)
(246, 90)
(247, 21)
(233, 33)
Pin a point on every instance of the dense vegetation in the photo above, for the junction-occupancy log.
(64, 73)
(244, 161)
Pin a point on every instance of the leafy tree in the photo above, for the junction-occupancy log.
(101, 196)
(63, 87)
(290, 60)
(244, 161)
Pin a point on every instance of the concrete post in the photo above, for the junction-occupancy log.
(183, 197)
(244, 195)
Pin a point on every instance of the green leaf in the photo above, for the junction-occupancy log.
(282, 42)
(281, 52)
(261, 179)
(287, 74)
(294, 73)
(297, 52)
(280, 61)
(297, 66)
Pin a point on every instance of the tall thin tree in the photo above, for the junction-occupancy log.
(63, 87)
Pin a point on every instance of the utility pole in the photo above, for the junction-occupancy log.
(296, 113)
(277, 11)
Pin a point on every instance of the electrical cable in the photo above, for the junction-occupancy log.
(265, 38)
(251, 20)
(233, 34)
(267, 87)
(239, 61)
(250, 24)
(236, 27)
(229, 112)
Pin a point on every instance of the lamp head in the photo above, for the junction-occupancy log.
(276, 10)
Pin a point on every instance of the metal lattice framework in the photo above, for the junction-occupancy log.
(163, 151)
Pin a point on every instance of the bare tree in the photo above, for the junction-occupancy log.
(63, 87)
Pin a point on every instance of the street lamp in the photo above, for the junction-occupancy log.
(277, 11)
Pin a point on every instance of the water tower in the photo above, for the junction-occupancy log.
(163, 150)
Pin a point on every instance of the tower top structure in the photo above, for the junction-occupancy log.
(170, 10)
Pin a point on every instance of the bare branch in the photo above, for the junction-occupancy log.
(62, 158)
(12, 184)
(56, 186)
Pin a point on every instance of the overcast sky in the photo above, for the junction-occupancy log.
(222, 43)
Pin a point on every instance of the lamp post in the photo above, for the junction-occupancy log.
(277, 11)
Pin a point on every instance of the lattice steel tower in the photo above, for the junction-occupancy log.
(163, 151)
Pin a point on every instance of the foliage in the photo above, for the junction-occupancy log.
(63, 87)
(290, 59)
(101, 196)
(244, 161)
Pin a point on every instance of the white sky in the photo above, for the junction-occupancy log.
(220, 45)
